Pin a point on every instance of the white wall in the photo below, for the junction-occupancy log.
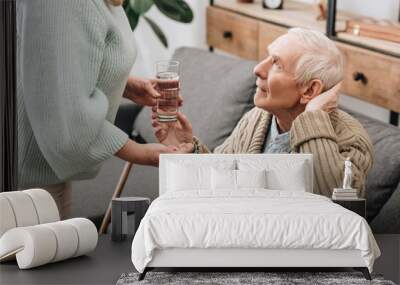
(149, 47)
(194, 34)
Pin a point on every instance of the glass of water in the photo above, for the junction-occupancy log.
(168, 87)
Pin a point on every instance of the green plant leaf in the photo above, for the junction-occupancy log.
(177, 10)
(133, 17)
(157, 30)
(141, 6)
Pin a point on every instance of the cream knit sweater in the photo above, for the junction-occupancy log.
(331, 138)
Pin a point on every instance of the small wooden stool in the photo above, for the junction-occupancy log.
(120, 209)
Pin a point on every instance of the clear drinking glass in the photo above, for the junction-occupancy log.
(168, 87)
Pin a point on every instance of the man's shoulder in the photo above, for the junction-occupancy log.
(345, 124)
(343, 118)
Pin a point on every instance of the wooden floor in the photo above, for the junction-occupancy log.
(106, 264)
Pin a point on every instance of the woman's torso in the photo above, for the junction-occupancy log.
(117, 60)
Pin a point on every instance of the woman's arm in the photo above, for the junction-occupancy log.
(145, 154)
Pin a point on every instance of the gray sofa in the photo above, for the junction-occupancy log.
(217, 91)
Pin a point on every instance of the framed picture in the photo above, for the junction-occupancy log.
(8, 115)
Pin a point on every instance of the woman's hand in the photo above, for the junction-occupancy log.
(143, 91)
(173, 133)
(327, 101)
(152, 151)
(149, 154)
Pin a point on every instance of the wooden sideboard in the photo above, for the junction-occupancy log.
(246, 30)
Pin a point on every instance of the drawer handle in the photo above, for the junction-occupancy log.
(359, 76)
(227, 35)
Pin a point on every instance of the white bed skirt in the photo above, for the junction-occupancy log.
(235, 257)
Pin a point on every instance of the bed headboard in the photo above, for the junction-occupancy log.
(202, 159)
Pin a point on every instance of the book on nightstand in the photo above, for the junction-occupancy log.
(344, 194)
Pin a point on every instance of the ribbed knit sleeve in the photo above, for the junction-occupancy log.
(66, 110)
(314, 132)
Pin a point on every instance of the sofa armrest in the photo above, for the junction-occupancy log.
(126, 117)
(388, 219)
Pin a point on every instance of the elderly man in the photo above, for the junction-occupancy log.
(296, 112)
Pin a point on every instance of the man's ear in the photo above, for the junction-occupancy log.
(311, 90)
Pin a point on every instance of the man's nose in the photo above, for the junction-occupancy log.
(261, 70)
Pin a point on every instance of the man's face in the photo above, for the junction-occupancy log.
(277, 89)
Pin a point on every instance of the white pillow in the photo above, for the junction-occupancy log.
(192, 175)
(281, 174)
(223, 179)
(183, 178)
(251, 178)
(236, 179)
(293, 180)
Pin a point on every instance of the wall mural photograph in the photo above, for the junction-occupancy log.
(200, 142)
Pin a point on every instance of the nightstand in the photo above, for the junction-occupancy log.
(358, 205)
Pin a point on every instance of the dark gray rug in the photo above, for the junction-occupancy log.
(243, 278)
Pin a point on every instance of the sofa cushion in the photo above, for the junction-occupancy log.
(217, 90)
(384, 176)
(388, 219)
(126, 115)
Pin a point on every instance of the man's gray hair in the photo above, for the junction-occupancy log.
(322, 59)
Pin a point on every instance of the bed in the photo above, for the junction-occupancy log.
(247, 211)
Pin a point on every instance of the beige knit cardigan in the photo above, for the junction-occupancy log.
(331, 138)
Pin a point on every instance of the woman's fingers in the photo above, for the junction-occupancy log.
(151, 90)
(180, 100)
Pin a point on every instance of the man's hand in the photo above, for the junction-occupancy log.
(327, 101)
(143, 91)
(173, 133)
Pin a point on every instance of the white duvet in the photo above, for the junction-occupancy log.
(253, 218)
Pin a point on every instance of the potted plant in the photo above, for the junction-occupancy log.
(177, 10)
